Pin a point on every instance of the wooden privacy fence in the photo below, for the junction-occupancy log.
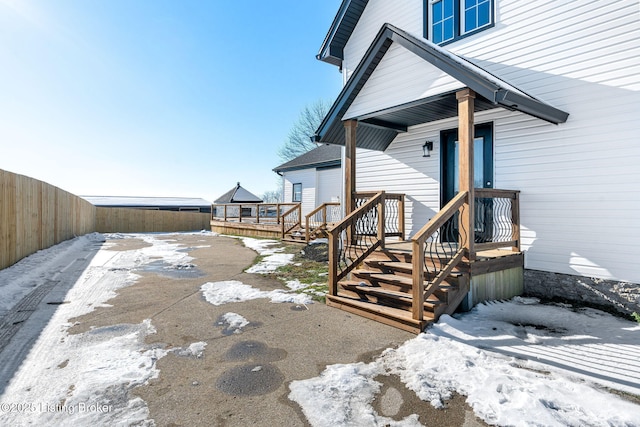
(35, 215)
(127, 220)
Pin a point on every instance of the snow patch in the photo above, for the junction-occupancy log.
(494, 355)
(342, 396)
(235, 322)
(218, 293)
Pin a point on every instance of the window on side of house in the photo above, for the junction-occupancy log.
(297, 193)
(450, 20)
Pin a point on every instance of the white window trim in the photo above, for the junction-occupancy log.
(293, 193)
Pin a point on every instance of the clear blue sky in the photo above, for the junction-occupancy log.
(157, 97)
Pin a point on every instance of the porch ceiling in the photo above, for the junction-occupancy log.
(376, 130)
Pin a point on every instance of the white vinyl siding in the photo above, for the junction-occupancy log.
(407, 15)
(580, 201)
(400, 77)
(306, 177)
(329, 185)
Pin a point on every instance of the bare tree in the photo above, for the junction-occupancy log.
(272, 196)
(299, 139)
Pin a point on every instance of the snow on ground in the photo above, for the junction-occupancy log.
(519, 363)
(82, 379)
(271, 253)
(218, 293)
(30, 272)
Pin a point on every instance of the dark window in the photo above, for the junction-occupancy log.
(449, 20)
(297, 193)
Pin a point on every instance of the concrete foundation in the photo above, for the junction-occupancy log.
(623, 297)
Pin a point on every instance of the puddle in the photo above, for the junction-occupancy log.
(179, 271)
(250, 380)
(58, 302)
(299, 307)
(254, 350)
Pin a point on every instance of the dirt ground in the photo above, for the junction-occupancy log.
(242, 379)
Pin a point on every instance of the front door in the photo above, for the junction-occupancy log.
(482, 174)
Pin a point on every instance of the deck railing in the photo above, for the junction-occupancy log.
(393, 209)
(291, 219)
(360, 233)
(321, 217)
(497, 219)
(436, 250)
(270, 213)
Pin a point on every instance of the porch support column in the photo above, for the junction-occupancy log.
(465, 99)
(349, 164)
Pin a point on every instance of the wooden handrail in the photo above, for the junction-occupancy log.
(495, 192)
(513, 217)
(348, 225)
(441, 217)
(227, 215)
(419, 292)
(356, 212)
(297, 208)
(323, 208)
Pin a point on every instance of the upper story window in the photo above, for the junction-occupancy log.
(449, 20)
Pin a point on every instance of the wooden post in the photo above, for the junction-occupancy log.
(515, 220)
(401, 216)
(350, 164)
(465, 99)
(381, 219)
(417, 290)
(333, 262)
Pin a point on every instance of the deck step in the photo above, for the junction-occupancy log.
(405, 267)
(401, 283)
(388, 315)
(431, 302)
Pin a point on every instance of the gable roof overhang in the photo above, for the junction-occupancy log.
(377, 129)
(332, 49)
(324, 156)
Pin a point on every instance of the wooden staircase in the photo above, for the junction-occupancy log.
(299, 234)
(381, 288)
(314, 225)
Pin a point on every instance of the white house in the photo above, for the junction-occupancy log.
(555, 88)
(312, 178)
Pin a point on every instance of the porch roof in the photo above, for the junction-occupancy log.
(376, 130)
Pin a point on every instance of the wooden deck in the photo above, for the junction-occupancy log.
(248, 227)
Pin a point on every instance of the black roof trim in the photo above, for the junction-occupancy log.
(332, 49)
(320, 157)
(493, 93)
